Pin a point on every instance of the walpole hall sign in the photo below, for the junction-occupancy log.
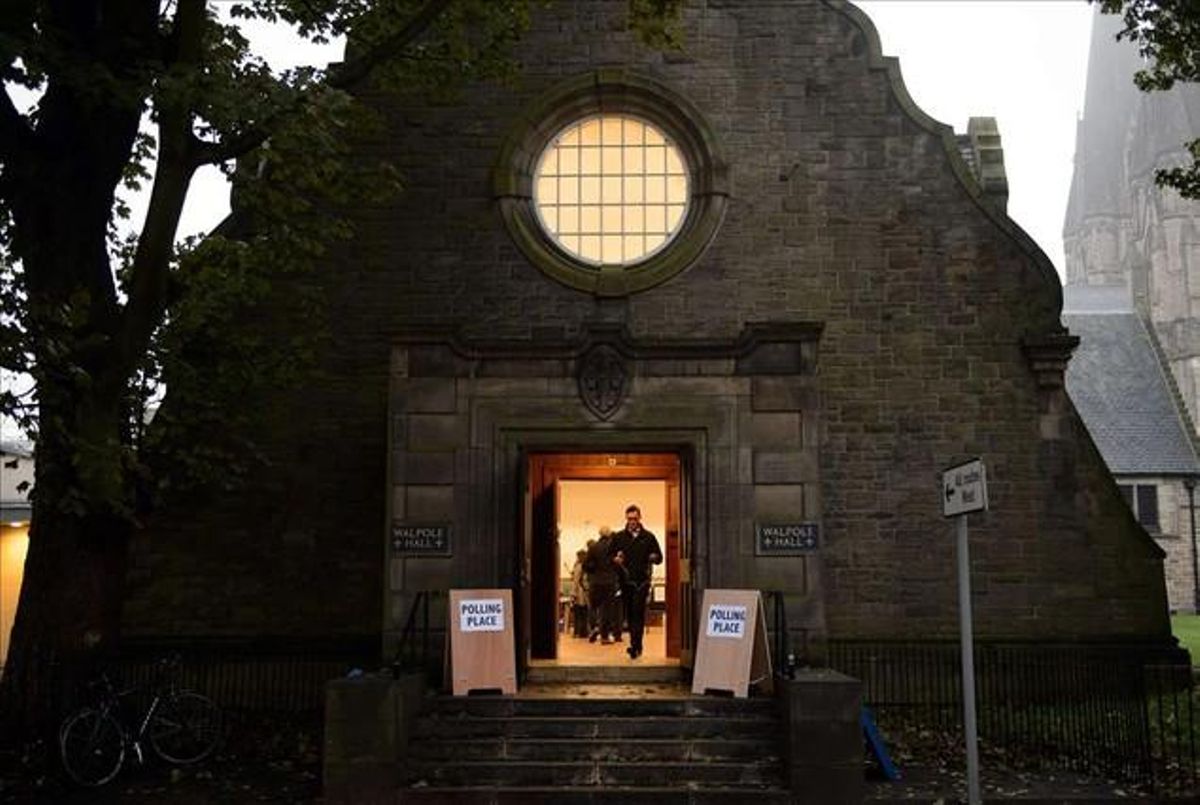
(421, 540)
(785, 539)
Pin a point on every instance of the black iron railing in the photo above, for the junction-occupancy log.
(262, 673)
(414, 646)
(1123, 711)
(783, 655)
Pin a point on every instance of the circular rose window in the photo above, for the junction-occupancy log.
(611, 183)
(611, 190)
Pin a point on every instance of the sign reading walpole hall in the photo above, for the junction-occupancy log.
(726, 620)
(964, 489)
(786, 539)
(425, 539)
(481, 615)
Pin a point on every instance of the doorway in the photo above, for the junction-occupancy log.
(569, 497)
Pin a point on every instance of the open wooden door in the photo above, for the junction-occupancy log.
(524, 597)
(686, 589)
(543, 562)
(674, 566)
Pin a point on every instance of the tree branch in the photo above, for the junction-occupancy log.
(350, 74)
(344, 77)
(150, 270)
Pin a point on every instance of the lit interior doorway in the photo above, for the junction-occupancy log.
(584, 507)
(569, 496)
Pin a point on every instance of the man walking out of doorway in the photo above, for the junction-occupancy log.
(636, 550)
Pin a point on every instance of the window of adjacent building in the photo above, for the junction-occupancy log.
(1143, 500)
(611, 190)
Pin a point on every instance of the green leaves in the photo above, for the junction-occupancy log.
(105, 319)
(657, 22)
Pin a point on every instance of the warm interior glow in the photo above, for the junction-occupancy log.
(14, 544)
(584, 506)
(611, 189)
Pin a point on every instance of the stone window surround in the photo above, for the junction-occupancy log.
(619, 92)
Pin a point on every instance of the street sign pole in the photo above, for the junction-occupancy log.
(970, 730)
(964, 490)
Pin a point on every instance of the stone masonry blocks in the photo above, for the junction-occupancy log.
(845, 214)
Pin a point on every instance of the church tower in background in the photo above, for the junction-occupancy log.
(1120, 228)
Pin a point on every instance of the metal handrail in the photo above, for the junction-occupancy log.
(405, 644)
(785, 665)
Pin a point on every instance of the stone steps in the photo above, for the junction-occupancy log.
(600, 707)
(673, 773)
(607, 749)
(591, 747)
(552, 727)
(641, 795)
(605, 674)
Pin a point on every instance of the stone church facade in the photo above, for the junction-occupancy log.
(841, 310)
(1133, 252)
(1121, 228)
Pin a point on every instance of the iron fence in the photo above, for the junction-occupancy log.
(283, 674)
(1126, 712)
(279, 674)
(1123, 711)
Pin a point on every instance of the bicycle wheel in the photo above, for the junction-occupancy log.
(186, 727)
(92, 745)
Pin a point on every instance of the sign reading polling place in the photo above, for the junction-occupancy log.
(732, 652)
(480, 642)
(481, 615)
(726, 621)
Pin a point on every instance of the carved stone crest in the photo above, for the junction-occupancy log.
(603, 379)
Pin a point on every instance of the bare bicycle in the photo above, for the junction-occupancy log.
(181, 727)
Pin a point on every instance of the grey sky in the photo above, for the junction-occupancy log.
(1023, 62)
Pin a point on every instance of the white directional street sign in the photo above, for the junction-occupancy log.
(964, 489)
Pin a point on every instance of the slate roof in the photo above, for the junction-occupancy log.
(1122, 390)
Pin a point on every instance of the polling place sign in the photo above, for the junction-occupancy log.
(481, 648)
(732, 652)
(727, 621)
(481, 615)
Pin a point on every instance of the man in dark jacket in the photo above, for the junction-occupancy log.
(602, 588)
(636, 550)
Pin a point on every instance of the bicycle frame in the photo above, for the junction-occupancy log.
(132, 728)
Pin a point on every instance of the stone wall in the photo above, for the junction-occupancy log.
(848, 208)
(1175, 538)
(743, 415)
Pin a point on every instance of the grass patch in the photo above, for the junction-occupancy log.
(1187, 629)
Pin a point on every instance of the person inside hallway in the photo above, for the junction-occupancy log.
(636, 551)
(579, 595)
(603, 590)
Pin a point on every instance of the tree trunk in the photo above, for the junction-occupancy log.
(61, 194)
(68, 614)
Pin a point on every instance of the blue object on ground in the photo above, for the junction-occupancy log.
(875, 742)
